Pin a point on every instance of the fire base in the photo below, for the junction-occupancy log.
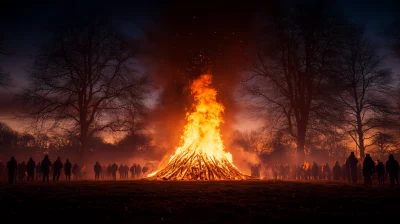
(192, 166)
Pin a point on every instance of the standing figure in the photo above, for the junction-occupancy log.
(380, 169)
(352, 165)
(368, 169)
(11, 168)
(121, 171)
(138, 170)
(97, 171)
(114, 170)
(392, 167)
(315, 171)
(327, 171)
(67, 170)
(58, 165)
(337, 170)
(132, 170)
(30, 168)
(45, 167)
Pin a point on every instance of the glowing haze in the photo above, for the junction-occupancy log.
(201, 154)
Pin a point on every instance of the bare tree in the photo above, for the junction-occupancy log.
(253, 141)
(298, 45)
(84, 80)
(384, 143)
(366, 83)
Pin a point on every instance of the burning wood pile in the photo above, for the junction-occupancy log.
(201, 155)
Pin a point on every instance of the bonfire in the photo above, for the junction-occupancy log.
(201, 154)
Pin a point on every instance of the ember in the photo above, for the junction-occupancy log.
(201, 155)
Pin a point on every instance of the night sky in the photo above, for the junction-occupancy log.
(24, 28)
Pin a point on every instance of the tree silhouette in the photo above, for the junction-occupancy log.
(365, 82)
(384, 143)
(85, 79)
(296, 48)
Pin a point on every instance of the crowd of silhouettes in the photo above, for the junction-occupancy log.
(41, 171)
(352, 170)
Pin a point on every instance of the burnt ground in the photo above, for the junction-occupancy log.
(196, 202)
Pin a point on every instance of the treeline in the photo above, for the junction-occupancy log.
(278, 148)
(318, 80)
(315, 80)
(24, 145)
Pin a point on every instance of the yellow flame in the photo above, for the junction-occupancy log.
(201, 133)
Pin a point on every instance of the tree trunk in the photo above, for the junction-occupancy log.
(360, 134)
(84, 143)
(82, 150)
(361, 143)
(301, 140)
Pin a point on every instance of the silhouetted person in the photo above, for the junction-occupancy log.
(380, 169)
(327, 171)
(126, 171)
(114, 170)
(30, 169)
(321, 171)
(11, 168)
(368, 169)
(392, 167)
(138, 170)
(133, 171)
(352, 164)
(97, 171)
(315, 171)
(337, 171)
(58, 165)
(67, 170)
(45, 167)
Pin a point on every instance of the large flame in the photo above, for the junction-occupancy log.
(201, 153)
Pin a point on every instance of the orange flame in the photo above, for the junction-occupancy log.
(201, 153)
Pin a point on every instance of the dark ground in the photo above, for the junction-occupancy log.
(196, 202)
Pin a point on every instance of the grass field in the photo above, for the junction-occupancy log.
(196, 202)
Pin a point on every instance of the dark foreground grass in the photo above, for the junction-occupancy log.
(195, 202)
